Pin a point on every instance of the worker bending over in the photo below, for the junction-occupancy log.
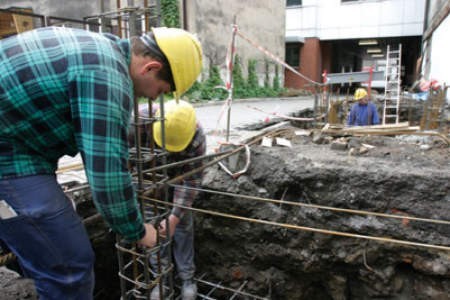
(64, 91)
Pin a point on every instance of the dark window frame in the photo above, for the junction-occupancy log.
(292, 56)
(290, 3)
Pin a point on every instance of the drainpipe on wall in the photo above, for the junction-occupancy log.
(425, 21)
(185, 20)
(420, 61)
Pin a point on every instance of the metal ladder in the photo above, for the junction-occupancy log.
(392, 85)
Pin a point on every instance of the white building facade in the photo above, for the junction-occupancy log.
(351, 35)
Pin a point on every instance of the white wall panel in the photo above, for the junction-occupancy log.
(440, 49)
(332, 19)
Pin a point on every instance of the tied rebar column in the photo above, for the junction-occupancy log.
(143, 269)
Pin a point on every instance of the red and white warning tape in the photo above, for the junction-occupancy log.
(277, 59)
(229, 61)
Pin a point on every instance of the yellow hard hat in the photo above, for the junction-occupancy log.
(360, 93)
(180, 125)
(184, 53)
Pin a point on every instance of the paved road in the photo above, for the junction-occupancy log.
(213, 117)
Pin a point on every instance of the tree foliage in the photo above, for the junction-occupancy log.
(170, 13)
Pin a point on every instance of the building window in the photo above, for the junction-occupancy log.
(293, 54)
(293, 3)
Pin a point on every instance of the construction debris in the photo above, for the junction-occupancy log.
(385, 130)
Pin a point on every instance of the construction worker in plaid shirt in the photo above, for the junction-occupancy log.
(64, 91)
(184, 139)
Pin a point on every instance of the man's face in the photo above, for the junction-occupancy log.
(147, 82)
(364, 100)
(155, 87)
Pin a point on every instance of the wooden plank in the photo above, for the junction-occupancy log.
(11, 23)
(22, 23)
(7, 27)
(74, 167)
(415, 130)
(381, 127)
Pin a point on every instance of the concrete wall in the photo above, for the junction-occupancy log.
(332, 19)
(440, 60)
(436, 49)
(261, 20)
(70, 9)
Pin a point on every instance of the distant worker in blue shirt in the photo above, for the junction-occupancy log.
(364, 112)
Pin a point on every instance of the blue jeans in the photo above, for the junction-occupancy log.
(48, 238)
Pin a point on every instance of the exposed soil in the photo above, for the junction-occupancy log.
(407, 175)
(404, 176)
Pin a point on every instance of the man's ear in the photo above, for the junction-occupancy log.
(151, 65)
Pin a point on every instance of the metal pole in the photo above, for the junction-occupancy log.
(119, 20)
(146, 22)
(165, 191)
(132, 23)
(443, 95)
(230, 80)
(316, 102)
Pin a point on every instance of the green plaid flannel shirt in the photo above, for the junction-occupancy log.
(64, 91)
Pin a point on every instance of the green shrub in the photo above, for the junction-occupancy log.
(170, 14)
(211, 88)
(239, 84)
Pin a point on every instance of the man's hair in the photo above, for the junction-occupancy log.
(140, 47)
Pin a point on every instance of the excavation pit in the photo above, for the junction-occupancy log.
(364, 219)
(323, 192)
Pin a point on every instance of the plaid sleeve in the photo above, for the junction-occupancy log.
(101, 108)
(183, 196)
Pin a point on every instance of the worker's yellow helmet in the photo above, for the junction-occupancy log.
(360, 93)
(184, 53)
(180, 125)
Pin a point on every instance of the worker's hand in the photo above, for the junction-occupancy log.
(149, 239)
(173, 222)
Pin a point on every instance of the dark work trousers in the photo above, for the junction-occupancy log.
(48, 237)
(182, 249)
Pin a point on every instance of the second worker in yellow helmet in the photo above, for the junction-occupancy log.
(184, 139)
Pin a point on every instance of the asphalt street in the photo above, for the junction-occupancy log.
(214, 116)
